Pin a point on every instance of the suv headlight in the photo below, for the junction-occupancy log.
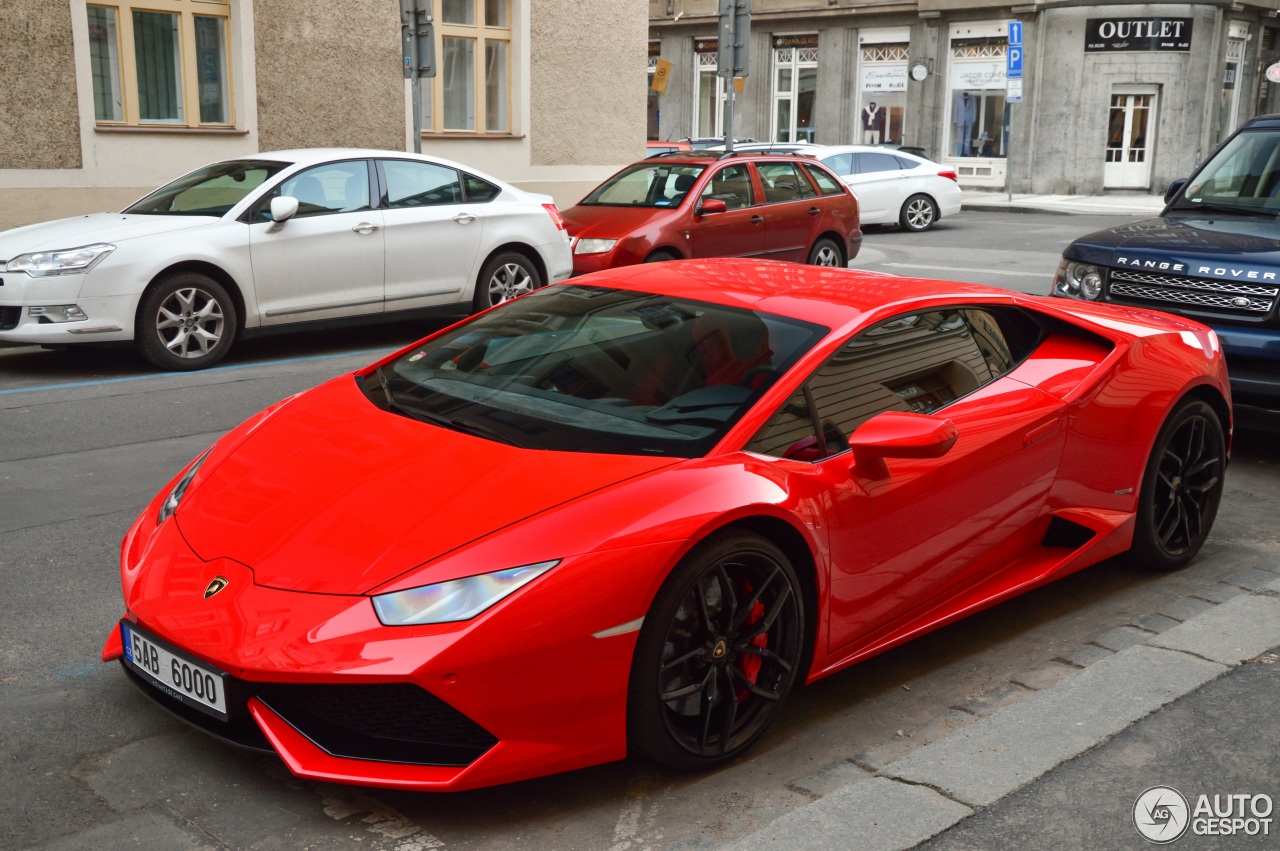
(457, 599)
(594, 246)
(69, 261)
(1078, 280)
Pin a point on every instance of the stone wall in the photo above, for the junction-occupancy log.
(41, 126)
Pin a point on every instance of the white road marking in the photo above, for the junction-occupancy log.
(961, 269)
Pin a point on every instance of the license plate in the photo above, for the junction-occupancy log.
(174, 673)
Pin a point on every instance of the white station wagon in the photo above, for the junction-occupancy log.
(274, 240)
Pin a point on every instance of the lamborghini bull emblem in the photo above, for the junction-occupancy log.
(215, 585)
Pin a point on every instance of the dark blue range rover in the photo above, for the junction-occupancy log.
(1212, 255)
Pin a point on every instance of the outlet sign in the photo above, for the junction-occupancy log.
(1137, 34)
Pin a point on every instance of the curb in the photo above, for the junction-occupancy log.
(924, 793)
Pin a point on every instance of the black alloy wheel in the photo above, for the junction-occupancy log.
(1182, 487)
(719, 652)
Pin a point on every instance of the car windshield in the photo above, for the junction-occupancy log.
(591, 369)
(1244, 176)
(646, 184)
(209, 191)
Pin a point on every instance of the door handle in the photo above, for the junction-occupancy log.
(755, 220)
(1041, 432)
(813, 211)
(464, 218)
(365, 227)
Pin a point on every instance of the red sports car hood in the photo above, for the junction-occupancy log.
(334, 495)
(610, 222)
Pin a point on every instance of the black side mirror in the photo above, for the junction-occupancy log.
(1174, 189)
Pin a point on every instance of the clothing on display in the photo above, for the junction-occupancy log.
(872, 124)
(964, 111)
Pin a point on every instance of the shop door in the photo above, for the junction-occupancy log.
(1130, 140)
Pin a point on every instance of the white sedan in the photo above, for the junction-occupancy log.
(255, 244)
(894, 186)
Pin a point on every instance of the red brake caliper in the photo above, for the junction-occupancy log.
(748, 663)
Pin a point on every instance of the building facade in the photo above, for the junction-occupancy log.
(1114, 97)
(103, 100)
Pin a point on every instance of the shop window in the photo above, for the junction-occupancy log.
(883, 94)
(471, 92)
(165, 62)
(979, 125)
(795, 82)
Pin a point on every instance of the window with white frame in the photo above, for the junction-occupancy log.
(882, 102)
(161, 62)
(979, 121)
(708, 89)
(795, 82)
(471, 91)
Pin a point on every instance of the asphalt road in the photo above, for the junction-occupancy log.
(87, 762)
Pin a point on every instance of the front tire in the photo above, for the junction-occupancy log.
(1181, 487)
(506, 276)
(918, 213)
(826, 252)
(186, 321)
(718, 654)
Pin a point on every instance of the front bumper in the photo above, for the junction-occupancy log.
(109, 317)
(521, 691)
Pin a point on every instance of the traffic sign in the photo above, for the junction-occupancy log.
(1013, 94)
(1013, 69)
(1015, 33)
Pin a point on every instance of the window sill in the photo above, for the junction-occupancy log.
(463, 134)
(187, 131)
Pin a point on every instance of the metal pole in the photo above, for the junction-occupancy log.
(1008, 157)
(731, 30)
(416, 82)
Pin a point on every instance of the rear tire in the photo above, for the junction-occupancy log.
(918, 213)
(1181, 487)
(826, 252)
(186, 321)
(719, 651)
(506, 276)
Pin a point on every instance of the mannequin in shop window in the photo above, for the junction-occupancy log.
(872, 124)
(963, 112)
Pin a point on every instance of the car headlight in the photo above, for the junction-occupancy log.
(594, 246)
(171, 501)
(1078, 280)
(457, 599)
(70, 261)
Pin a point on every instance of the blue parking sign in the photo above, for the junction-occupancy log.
(1014, 68)
(1015, 33)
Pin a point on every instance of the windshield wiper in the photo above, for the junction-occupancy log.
(454, 423)
(1230, 208)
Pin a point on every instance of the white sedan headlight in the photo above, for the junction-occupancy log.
(594, 246)
(457, 599)
(70, 261)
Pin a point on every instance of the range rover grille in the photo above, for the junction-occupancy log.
(1228, 297)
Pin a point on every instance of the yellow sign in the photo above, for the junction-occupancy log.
(739, 83)
(661, 76)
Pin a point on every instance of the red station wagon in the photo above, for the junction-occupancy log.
(716, 204)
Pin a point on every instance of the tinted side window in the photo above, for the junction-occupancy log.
(903, 162)
(841, 164)
(827, 184)
(783, 182)
(479, 190)
(876, 162)
(1004, 336)
(415, 184)
(333, 188)
(731, 184)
